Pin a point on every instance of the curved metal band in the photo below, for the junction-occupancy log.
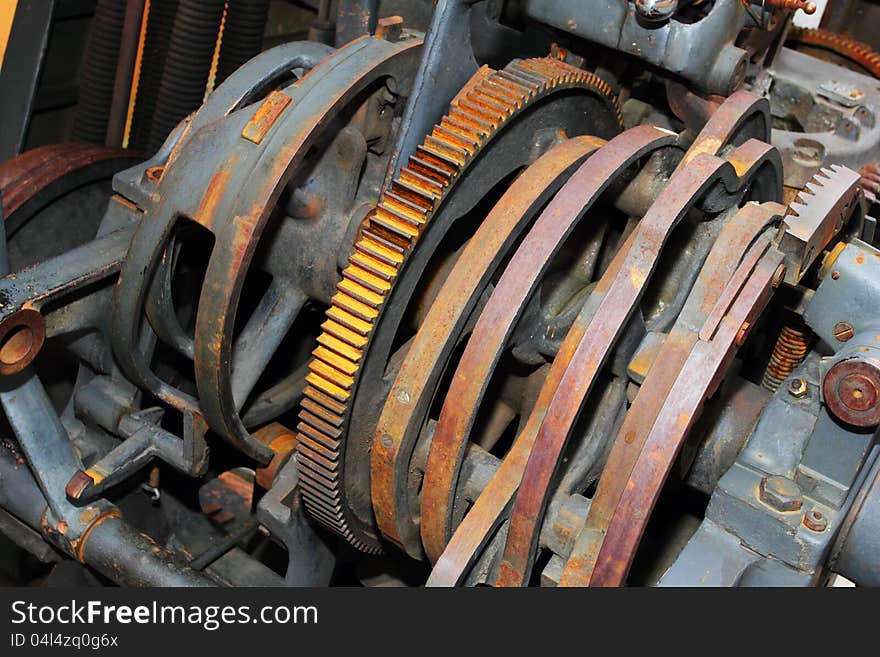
(54, 169)
(493, 504)
(501, 313)
(259, 75)
(407, 224)
(403, 415)
(285, 125)
(609, 307)
(697, 380)
(693, 178)
(734, 240)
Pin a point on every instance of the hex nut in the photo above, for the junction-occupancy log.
(798, 388)
(815, 520)
(780, 493)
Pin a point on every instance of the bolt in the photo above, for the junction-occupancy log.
(835, 275)
(780, 493)
(815, 520)
(797, 388)
(387, 441)
(403, 396)
(843, 331)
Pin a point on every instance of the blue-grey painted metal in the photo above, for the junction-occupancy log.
(702, 52)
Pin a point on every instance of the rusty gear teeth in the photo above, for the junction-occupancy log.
(385, 240)
(861, 53)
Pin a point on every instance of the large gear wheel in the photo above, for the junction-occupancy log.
(487, 104)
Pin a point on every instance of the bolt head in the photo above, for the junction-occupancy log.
(843, 331)
(780, 493)
(815, 520)
(798, 388)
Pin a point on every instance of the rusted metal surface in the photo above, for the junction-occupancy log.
(715, 276)
(604, 551)
(21, 337)
(697, 380)
(404, 414)
(482, 109)
(282, 442)
(806, 7)
(491, 507)
(870, 181)
(861, 53)
(852, 391)
(789, 351)
(500, 315)
(829, 202)
(612, 303)
(245, 211)
(740, 117)
(30, 174)
(690, 107)
(39, 284)
(264, 118)
(229, 496)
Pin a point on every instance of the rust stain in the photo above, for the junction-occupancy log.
(213, 194)
(266, 116)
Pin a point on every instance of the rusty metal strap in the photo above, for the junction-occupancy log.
(502, 311)
(698, 380)
(404, 412)
(722, 271)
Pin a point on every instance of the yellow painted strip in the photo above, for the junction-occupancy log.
(7, 13)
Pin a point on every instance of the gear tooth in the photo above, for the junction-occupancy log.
(319, 382)
(387, 236)
(814, 187)
(861, 53)
(329, 372)
(354, 272)
(337, 361)
(395, 224)
(423, 184)
(437, 162)
(315, 439)
(481, 126)
(492, 116)
(525, 86)
(321, 411)
(450, 136)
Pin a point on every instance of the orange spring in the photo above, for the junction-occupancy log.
(789, 351)
(861, 53)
